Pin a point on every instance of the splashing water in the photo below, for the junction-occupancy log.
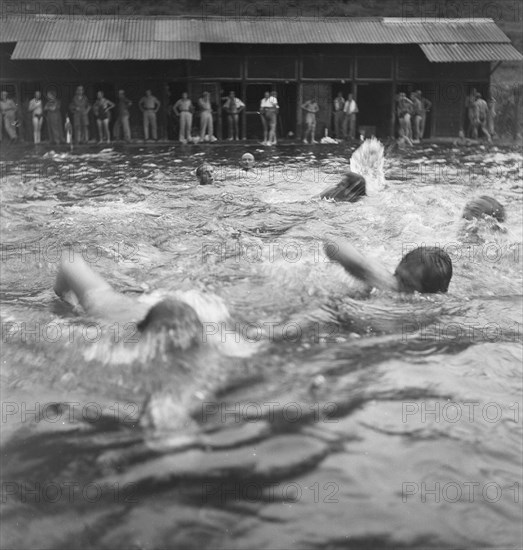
(313, 414)
(368, 161)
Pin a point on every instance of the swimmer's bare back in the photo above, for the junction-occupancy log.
(363, 269)
(77, 283)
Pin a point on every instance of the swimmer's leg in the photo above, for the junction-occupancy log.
(368, 271)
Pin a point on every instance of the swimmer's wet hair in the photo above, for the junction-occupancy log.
(177, 318)
(425, 269)
(350, 189)
(484, 206)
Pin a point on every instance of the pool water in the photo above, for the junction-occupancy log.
(313, 414)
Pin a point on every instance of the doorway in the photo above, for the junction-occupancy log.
(375, 108)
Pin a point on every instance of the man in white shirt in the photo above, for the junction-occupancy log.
(350, 110)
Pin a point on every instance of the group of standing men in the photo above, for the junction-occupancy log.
(411, 113)
(345, 111)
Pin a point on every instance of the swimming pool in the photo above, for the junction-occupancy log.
(317, 416)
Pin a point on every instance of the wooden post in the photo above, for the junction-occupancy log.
(299, 99)
(243, 125)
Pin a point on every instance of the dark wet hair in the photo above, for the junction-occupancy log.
(425, 269)
(350, 189)
(178, 318)
(484, 206)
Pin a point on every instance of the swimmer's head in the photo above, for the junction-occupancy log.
(176, 319)
(247, 161)
(355, 186)
(424, 269)
(205, 174)
(482, 207)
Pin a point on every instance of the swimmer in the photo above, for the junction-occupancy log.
(424, 269)
(205, 174)
(366, 176)
(77, 284)
(350, 189)
(482, 207)
(247, 161)
(481, 212)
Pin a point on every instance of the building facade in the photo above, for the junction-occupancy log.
(374, 59)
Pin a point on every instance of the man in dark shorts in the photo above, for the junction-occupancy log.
(233, 106)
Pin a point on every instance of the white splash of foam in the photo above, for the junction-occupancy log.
(367, 161)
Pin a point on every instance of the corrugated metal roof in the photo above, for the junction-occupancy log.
(260, 30)
(153, 37)
(116, 51)
(447, 53)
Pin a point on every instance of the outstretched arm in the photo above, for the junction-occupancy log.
(76, 282)
(368, 271)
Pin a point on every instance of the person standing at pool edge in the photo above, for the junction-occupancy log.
(266, 104)
(149, 105)
(404, 110)
(37, 116)
(339, 115)
(350, 110)
(269, 109)
(482, 116)
(233, 106)
(102, 111)
(8, 115)
(426, 107)
(183, 110)
(80, 108)
(310, 107)
(54, 119)
(206, 123)
(122, 121)
(491, 116)
(417, 112)
(472, 114)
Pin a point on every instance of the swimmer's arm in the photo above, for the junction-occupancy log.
(368, 271)
(77, 283)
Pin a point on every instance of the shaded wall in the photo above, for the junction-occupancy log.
(374, 74)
